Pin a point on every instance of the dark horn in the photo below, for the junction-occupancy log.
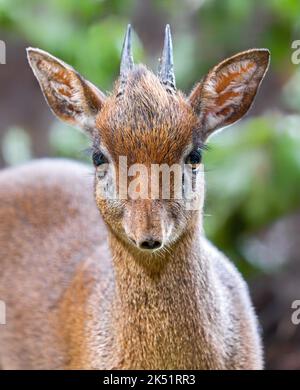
(126, 58)
(166, 68)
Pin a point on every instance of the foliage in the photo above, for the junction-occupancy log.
(253, 178)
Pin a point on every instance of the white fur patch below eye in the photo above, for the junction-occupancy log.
(106, 183)
(102, 170)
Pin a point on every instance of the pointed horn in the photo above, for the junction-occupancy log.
(166, 68)
(126, 58)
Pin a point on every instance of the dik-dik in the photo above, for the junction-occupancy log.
(136, 286)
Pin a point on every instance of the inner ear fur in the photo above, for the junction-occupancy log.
(227, 92)
(72, 98)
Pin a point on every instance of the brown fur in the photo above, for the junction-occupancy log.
(163, 123)
(79, 293)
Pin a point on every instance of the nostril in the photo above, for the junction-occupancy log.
(150, 244)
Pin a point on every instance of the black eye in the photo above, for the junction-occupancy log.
(99, 159)
(194, 158)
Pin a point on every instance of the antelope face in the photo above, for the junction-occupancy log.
(148, 137)
(146, 159)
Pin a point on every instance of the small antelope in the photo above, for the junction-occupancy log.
(139, 286)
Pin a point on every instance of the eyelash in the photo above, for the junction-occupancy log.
(99, 158)
(195, 158)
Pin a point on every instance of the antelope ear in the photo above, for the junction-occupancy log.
(227, 92)
(71, 98)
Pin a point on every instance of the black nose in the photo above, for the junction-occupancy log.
(150, 244)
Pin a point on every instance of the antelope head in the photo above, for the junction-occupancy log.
(146, 124)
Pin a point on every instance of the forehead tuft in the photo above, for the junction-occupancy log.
(146, 120)
(143, 87)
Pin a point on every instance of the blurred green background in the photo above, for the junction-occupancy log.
(252, 169)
